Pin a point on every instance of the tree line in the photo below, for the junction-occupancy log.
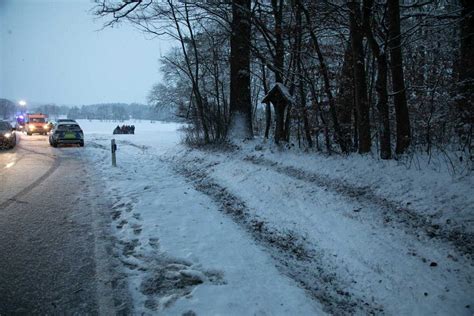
(103, 111)
(119, 112)
(388, 76)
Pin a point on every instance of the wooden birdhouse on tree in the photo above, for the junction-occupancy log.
(280, 97)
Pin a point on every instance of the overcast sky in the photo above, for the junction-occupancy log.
(52, 51)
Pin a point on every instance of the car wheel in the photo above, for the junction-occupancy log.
(81, 144)
(28, 133)
(54, 144)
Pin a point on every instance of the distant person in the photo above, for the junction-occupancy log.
(132, 129)
(117, 130)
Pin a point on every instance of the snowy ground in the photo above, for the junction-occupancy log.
(260, 231)
(179, 252)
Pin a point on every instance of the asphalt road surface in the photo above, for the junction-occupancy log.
(54, 254)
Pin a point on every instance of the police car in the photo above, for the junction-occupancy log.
(66, 133)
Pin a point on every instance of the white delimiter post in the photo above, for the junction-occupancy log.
(113, 148)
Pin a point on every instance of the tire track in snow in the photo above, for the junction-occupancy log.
(391, 211)
(50, 156)
(294, 255)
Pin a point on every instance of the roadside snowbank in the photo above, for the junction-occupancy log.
(246, 229)
(179, 252)
(375, 253)
(431, 190)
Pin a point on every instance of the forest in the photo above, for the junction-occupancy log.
(387, 76)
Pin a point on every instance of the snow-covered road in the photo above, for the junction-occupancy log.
(234, 233)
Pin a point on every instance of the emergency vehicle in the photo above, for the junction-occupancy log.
(36, 123)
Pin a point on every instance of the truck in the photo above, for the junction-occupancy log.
(37, 123)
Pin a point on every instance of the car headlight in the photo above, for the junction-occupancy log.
(31, 127)
(7, 135)
(46, 126)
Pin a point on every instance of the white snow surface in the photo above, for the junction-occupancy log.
(366, 221)
(181, 231)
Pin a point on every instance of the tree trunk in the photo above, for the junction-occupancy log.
(466, 74)
(220, 120)
(360, 80)
(304, 112)
(268, 109)
(301, 84)
(287, 127)
(345, 97)
(279, 63)
(193, 75)
(381, 84)
(382, 106)
(240, 100)
(279, 121)
(398, 81)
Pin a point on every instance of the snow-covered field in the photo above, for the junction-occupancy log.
(261, 231)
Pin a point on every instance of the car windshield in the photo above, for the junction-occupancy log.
(37, 120)
(69, 127)
(5, 126)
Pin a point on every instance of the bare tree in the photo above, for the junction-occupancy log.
(398, 79)
(240, 100)
(381, 85)
(360, 80)
(344, 62)
(327, 85)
